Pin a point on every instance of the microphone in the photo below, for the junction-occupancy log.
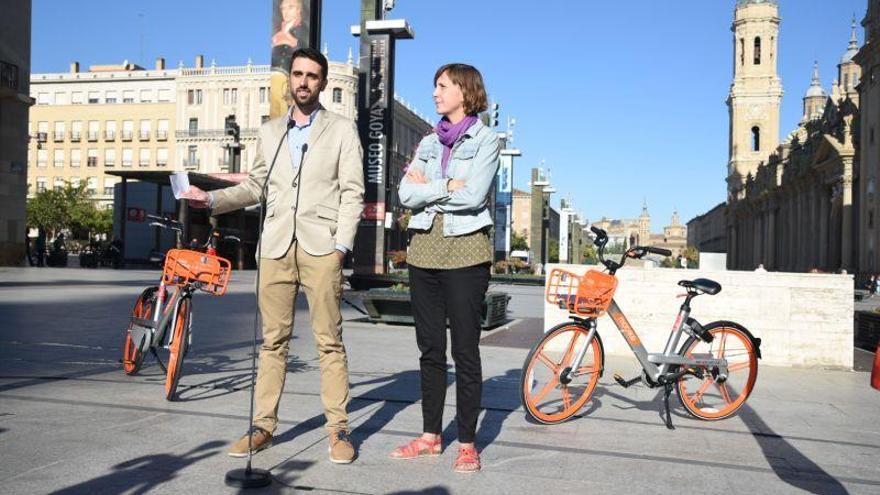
(302, 157)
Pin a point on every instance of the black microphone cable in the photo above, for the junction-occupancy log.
(263, 200)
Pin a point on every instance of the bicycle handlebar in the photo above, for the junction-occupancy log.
(634, 252)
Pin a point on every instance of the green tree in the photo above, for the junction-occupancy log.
(70, 208)
(553, 251)
(518, 242)
(692, 256)
(590, 256)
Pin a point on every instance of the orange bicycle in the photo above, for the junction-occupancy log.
(162, 321)
(713, 371)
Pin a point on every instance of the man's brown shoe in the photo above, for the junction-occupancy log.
(260, 439)
(341, 448)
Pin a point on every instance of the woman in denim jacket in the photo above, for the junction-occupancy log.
(447, 188)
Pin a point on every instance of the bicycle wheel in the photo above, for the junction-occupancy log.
(132, 357)
(551, 391)
(710, 398)
(177, 347)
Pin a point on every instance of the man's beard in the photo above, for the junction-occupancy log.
(307, 101)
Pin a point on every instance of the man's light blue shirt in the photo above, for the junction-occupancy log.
(297, 137)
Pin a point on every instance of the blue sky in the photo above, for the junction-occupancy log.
(623, 100)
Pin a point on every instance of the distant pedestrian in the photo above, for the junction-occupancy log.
(761, 268)
(40, 247)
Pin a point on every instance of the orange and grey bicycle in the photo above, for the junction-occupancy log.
(162, 315)
(714, 370)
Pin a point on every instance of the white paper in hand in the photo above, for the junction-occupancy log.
(179, 183)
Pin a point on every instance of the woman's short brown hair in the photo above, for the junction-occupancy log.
(469, 79)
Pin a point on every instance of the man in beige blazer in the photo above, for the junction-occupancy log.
(314, 202)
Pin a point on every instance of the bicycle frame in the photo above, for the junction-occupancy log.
(655, 365)
(153, 332)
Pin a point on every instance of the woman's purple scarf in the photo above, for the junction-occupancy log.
(449, 134)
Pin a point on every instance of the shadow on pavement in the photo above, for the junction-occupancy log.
(787, 462)
(142, 474)
(433, 490)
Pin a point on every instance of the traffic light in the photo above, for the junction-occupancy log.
(231, 127)
(493, 115)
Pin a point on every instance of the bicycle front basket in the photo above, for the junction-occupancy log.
(588, 295)
(184, 266)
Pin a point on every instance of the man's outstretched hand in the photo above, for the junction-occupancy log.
(197, 198)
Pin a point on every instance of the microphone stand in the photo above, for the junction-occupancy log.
(250, 477)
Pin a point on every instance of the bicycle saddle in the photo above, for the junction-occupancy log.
(703, 285)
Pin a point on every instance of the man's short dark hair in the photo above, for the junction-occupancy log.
(313, 55)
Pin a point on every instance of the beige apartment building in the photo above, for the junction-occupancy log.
(110, 117)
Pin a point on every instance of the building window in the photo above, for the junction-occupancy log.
(109, 157)
(109, 183)
(61, 98)
(58, 184)
(192, 159)
(94, 97)
(742, 51)
(226, 96)
(92, 185)
(127, 130)
(128, 96)
(264, 95)
(110, 97)
(144, 157)
(76, 131)
(58, 158)
(76, 98)
(8, 75)
(337, 95)
(92, 159)
(42, 157)
(264, 119)
(756, 138)
(164, 95)
(43, 99)
(94, 129)
(162, 131)
(41, 184)
(127, 157)
(194, 96)
(757, 50)
(60, 131)
(75, 156)
(144, 133)
(110, 130)
(146, 96)
(162, 157)
(193, 127)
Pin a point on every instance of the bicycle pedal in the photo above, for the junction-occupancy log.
(626, 383)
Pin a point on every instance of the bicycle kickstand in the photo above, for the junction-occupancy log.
(666, 394)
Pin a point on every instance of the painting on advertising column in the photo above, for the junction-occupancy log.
(295, 24)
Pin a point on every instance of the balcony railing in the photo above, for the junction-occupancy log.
(214, 133)
(162, 135)
(126, 163)
(59, 136)
(144, 136)
(93, 136)
(74, 137)
(191, 163)
(109, 135)
(143, 163)
(109, 163)
(126, 135)
(161, 163)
